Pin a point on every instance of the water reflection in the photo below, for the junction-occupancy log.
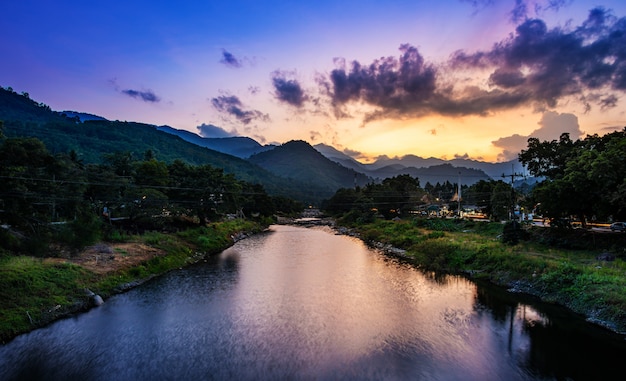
(300, 303)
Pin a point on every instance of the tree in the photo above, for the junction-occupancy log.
(584, 178)
(500, 201)
(482, 194)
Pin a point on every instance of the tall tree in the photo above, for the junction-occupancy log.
(584, 178)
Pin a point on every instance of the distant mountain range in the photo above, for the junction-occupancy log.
(239, 146)
(431, 170)
(295, 169)
(492, 170)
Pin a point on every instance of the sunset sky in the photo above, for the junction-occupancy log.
(449, 78)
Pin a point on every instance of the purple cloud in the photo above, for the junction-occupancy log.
(146, 96)
(211, 131)
(397, 86)
(535, 66)
(231, 105)
(543, 65)
(230, 60)
(288, 90)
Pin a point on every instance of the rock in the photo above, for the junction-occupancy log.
(97, 300)
(606, 257)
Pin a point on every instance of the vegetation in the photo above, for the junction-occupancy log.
(35, 291)
(578, 268)
(583, 178)
(576, 278)
(299, 161)
(92, 140)
(56, 205)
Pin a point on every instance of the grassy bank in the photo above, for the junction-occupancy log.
(36, 291)
(570, 274)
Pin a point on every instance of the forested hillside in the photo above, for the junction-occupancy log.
(300, 161)
(91, 140)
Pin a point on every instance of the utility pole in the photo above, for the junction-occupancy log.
(513, 175)
(459, 195)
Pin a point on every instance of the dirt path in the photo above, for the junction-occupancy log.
(105, 258)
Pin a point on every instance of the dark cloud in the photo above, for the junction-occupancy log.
(211, 131)
(146, 96)
(609, 101)
(397, 86)
(232, 106)
(536, 66)
(288, 90)
(230, 60)
(545, 65)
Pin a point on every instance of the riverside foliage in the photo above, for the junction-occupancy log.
(35, 291)
(53, 204)
(577, 278)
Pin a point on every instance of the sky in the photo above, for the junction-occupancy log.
(449, 78)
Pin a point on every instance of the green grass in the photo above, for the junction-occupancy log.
(34, 292)
(569, 277)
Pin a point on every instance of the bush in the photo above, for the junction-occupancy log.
(512, 233)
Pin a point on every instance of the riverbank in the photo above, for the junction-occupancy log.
(587, 278)
(38, 291)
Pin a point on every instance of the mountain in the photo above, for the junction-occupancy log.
(471, 170)
(298, 160)
(92, 139)
(434, 174)
(239, 146)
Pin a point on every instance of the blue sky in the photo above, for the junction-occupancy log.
(453, 78)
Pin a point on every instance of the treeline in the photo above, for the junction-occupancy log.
(402, 196)
(92, 139)
(55, 202)
(583, 180)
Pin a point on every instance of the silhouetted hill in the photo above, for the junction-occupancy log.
(239, 146)
(14, 106)
(414, 165)
(298, 160)
(92, 139)
(435, 174)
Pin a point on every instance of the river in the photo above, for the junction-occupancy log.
(300, 303)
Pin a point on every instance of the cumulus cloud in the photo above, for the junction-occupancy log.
(551, 126)
(230, 105)
(546, 65)
(288, 90)
(145, 95)
(396, 86)
(230, 60)
(535, 66)
(211, 131)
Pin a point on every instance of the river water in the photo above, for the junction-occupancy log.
(305, 304)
